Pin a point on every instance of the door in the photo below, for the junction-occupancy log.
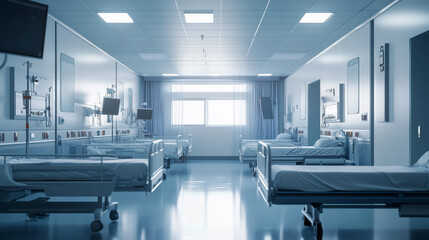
(313, 112)
(419, 97)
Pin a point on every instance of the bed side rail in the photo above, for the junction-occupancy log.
(191, 141)
(155, 163)
(263, 170)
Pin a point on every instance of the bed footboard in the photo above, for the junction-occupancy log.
(156, 164)
(263, 170)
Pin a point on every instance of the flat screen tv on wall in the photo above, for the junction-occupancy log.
(23, 27)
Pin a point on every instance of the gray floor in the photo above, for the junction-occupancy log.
(212, 200)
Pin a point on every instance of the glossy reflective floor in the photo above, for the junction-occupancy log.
(212, 200)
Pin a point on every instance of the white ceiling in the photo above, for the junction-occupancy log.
(159, 41)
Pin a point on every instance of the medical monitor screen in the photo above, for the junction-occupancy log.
(22, 27)
(144, 113)
(110, 106)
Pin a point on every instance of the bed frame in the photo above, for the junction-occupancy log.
(409, 204)
(252, 159)
(306, 160)
(101, 189)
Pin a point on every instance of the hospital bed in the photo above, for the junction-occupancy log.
(248, 148)
(326, 151)
(404, 188)
(75, 176)
(175, 148)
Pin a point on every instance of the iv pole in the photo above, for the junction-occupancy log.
(27, 98)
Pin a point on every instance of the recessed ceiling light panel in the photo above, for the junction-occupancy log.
(116, 17)
(199, 17)
(265, 74)
(170, 74)
(315, 17)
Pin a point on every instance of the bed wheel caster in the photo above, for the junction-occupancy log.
(307, 222)
(113, 215)
(318, 231)
(164, 176)
(96, 226)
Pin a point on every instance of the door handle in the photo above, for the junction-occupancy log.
(418, 131)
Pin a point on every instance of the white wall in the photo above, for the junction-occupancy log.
(331, 69)
(396, 26)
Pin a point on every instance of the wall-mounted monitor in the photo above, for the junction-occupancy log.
(23, 27)
(110, 106)
(144, 113)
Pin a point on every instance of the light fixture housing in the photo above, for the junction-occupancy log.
(315, 17)
(170, 74)
(265, 74)
(199, 17)
(116, 17)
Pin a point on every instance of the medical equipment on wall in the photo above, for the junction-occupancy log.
(110, 93)
(333, 104)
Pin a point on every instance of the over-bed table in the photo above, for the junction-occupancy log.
(404, 188)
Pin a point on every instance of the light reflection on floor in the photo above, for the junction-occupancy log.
(212, 200)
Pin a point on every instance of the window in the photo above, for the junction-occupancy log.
(187, 112)
(226, 112)
(209, 104)
(193, 88)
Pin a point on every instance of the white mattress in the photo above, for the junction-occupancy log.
(131, 172)
(307, 151)
(250, 149)
(349, 178)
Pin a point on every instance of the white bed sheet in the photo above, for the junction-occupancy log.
(131, 172)
(307, 151)
(349, 178)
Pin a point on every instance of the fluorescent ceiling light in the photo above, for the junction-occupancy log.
(315, 17)
(265, 74)
(199, 17)
(116, 17)
(170, 74)
(213, 74)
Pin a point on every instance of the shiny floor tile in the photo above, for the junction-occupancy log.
(212, 200)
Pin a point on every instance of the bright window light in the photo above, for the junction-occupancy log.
(187, 112)
(265, 74)
(315, 17)
(116, 17)
(170, 74)
(226, 112)
(205, 88)
(199, 17)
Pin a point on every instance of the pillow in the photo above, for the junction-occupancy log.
(284, 136)
(327, 142)
(90, 150)
(423, 161)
